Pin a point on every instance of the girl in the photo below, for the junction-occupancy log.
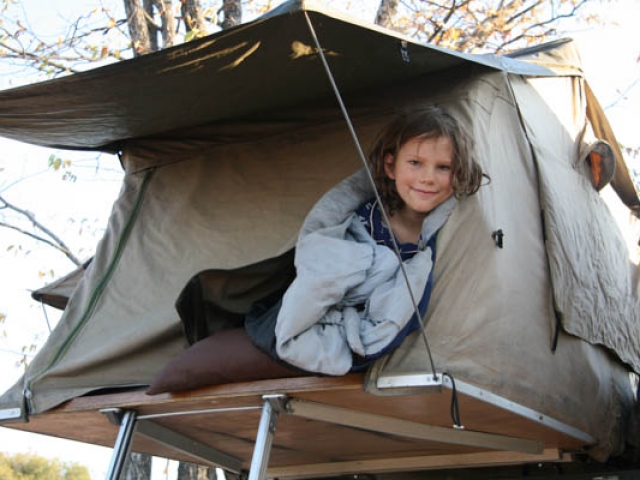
(419, 160)
(352, 300)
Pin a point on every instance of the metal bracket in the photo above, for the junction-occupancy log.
(426, 382)
(10, 414)
(114, 415)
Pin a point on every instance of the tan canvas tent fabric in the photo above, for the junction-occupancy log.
(492, 304)
(221, 170)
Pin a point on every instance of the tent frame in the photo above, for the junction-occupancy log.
(502, 449)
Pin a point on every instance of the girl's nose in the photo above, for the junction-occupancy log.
(426, 175)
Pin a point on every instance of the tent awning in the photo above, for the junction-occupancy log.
(263, 66)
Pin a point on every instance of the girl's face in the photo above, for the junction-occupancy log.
(422, 173)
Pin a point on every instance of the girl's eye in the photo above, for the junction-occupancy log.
(414, 162)
(445, 167)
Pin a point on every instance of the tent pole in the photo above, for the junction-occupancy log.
(266, 431)
(127, 421)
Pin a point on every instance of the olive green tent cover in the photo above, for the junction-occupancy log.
(227, 142)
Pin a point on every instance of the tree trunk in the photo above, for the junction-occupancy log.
(137, 467)
(191, 471)
(193, 17)
(207, 473)
(187, 471)
(138, 28)
(151, 26)
(232, 11)
(168, 26)
(386, 11)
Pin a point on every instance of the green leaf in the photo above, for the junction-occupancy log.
(192, 35)
(55, 162)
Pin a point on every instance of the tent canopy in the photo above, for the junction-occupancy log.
(241, 73)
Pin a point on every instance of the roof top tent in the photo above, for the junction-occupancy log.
(227, 143)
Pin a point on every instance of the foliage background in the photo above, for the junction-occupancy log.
(27, 466)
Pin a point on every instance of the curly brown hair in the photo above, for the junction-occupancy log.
(427, 122)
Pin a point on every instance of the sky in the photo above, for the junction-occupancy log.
(610, 57)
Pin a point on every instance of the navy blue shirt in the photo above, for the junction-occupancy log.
(371, 216)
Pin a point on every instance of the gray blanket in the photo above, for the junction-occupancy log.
(350, 294)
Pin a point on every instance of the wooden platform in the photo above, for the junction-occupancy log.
(325, 426)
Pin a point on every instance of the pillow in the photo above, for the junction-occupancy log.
(227, 356)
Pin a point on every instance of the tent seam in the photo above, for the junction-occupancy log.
(557, 314)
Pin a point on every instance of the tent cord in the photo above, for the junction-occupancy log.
(46, 317)
(363, 158)
(455, 408)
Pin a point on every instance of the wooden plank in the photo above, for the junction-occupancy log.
(225, 394)
(404, 428)
(381, 465)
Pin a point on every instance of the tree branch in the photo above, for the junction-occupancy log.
(439, 26)
(623, 94)
(36, 58)
(14, 352)
(53, 240)
(521, 13)
(543, 24)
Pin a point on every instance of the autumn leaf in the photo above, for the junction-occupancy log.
(192, 35)
(54, 162)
